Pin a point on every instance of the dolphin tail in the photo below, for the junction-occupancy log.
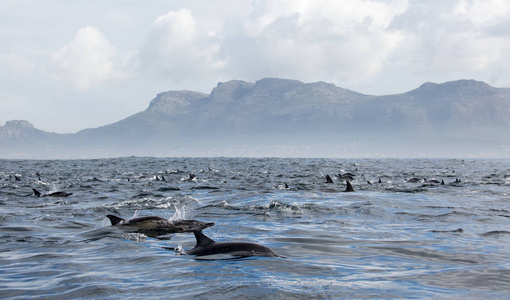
(114, 219)
(202, 239)
(36, 193)
(349, 187)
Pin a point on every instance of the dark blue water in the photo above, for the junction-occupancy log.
(386, 240)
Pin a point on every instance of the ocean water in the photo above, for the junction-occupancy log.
(392, 239)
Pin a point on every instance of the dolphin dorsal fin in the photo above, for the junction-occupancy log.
(36, 193)
(328, 179)
(349, 187)
(114, 219)
(202, 239)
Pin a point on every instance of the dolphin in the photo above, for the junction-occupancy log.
(206, 246)
(190, 225)
(432, 181)
(283, 186)
(349, 187)
(328, 179)
(54, 194)
(413, 180)
(160, 224)
(346, 176)
(16, 177)
(457, 180)
(149, 222)
(151, 226)
(460, 230)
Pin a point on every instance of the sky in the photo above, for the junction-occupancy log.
(67, 65)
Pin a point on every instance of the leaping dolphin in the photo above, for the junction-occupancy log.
(206, 246)
(150, 222)
(160, 224)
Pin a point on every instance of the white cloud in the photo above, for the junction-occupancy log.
(179, 48)
(335, 40)
(307, 40)
(176, 28)
(87, 60)
(482, 12)
(450, 38)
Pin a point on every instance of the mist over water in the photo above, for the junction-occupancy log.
(393, 239)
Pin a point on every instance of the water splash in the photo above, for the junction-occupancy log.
(183, 206)
(135, 215)
(105, 222)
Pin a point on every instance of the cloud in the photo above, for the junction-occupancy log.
(482, 12)
(453, 36)
(87, 60)
(351, 43)
(177, 47)
(330, 40)
(308, 40)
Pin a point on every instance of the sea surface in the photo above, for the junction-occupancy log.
(393, 239)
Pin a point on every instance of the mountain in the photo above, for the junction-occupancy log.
(20, 139)
(281, 117)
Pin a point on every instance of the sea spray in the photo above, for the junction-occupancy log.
(183, 206)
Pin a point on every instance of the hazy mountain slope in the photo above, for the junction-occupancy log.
(274, 105)
(460, 109)
(160, 121)
(20, 139)
(456, 118)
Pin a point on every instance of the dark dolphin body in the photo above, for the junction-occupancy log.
(206, 246)
(435, 181)
(346, 176)
(190, 225)
(54, 194)
(413, 180)
(154, 225)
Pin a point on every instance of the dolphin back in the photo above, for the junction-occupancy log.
(206, 246)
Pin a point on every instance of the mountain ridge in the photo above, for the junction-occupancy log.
(274, 111)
